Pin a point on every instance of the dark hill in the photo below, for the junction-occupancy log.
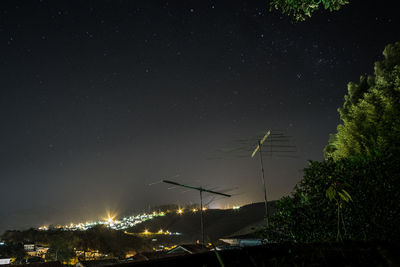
(217, 223)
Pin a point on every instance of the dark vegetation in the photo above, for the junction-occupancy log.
(362, 165)
(289, 254)
(300, 10)
(13, 250)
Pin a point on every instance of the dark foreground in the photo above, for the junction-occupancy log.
(285, 254)
(346, 254)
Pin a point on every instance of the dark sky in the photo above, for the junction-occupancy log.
(100, 98)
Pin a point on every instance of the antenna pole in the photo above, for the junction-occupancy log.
(264, 185)
(201, 190)
(201, 217)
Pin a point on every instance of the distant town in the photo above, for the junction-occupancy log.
(126, 222)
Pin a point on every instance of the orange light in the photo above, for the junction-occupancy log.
(180, 211)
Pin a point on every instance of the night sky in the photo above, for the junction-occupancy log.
(101, 98)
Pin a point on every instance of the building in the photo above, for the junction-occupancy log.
(35, 251)
(242, 241)
(29, 247)
(4, 261)
(246, 237)
(188, 249)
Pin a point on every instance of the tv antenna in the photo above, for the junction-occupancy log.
(201, 190)
(259, 149)
(279, 146)
(273, 143)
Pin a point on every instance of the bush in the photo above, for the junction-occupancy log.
(374, 213)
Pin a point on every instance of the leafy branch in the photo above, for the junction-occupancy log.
(300, 10)
(337, 193)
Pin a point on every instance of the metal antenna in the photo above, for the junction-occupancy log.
(259, 148)
(201, 190)
(279, 144)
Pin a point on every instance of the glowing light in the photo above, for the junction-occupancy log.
(236, 207)
(110, 221)
(204, 208)
(180, 211)
(161, 231)
(146, 232)
(194, 210)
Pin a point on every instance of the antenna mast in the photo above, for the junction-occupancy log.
(201, 190)
(259, 149)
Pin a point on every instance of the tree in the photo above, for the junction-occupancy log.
(61, 246)
(371, 112)
(337, 192)
(13, 250)
(361, 172)
(373, 214)
(300, 10)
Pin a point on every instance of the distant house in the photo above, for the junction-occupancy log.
(188, 249)
(35, 251)
(4, 260)
(29, 247)
(243, 240)
(135, 258)
(97, 263)
(145, 256)
(246, 236)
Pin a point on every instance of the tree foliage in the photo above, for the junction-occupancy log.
(300, 10)
(13, 250)
(361, 172)
(61, 246)
(371, 112)
(373, 214)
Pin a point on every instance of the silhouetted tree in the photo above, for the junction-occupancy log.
(13, 250)
(371, 112)
(300, 10)
(364, 155)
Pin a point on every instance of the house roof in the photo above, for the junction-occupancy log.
(189, 248)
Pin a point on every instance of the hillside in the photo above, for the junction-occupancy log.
(217, 223)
